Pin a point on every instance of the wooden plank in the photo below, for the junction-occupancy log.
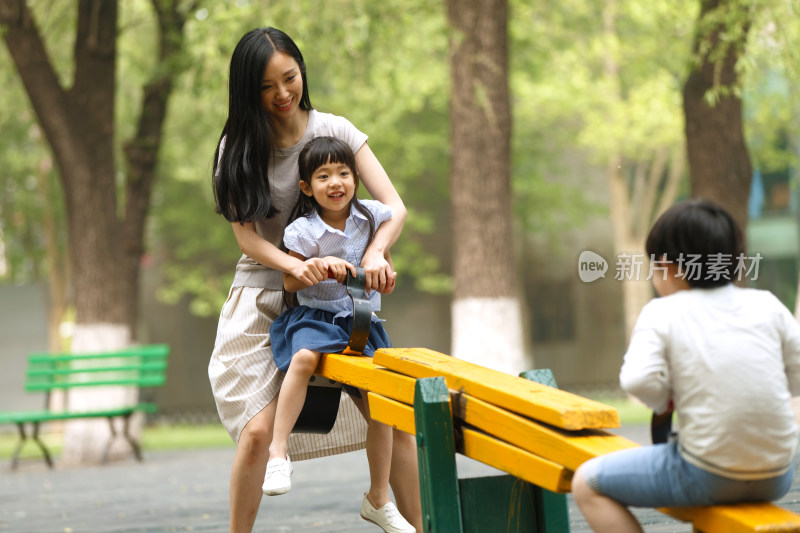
(528, 398)
(392, 413)
(500, 503)
(484, 448)
(553, 515)
(568, 448)
(738, 518)
(360, 371)
(438, 480)
(516, 461)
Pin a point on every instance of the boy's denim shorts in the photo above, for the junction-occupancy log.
(657, 476)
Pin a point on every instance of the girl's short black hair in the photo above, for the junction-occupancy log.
(702, 232)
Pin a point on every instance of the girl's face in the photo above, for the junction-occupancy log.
(281, 87)
(333, 187)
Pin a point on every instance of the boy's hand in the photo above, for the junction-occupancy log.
(338, 268)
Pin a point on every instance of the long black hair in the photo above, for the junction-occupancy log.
(240, 180)
(317, 152)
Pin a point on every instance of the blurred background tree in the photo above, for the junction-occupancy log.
(595, 96)
(74, 101)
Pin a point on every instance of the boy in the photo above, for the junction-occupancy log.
(726, 357)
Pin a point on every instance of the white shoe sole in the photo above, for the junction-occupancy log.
(276, 492)
(372, 522)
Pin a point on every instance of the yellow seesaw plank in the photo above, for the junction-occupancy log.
(568, 448)
(516, 461)
(360, 371)
(573, 448)
(738, 518)
(533, 400)
(481, 447)
(392, 413)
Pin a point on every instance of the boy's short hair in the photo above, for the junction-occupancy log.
(701, 232)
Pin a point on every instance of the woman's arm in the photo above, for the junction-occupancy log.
(378, 271)
(307, 272)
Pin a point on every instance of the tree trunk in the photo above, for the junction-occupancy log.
(719, 164)
(56, 272)
(487, 324)
(79, 125)
(141, 152)
(56, 265)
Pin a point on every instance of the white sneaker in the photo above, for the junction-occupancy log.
(279, 477)
(388, 518)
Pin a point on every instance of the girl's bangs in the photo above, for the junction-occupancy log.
(333, 152)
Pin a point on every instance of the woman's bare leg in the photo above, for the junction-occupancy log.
(291, 399)
(602, 513)
(249, 466)
(379, 457)
(404, 477)
(404, 472)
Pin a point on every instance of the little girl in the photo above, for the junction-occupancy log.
(328, 223)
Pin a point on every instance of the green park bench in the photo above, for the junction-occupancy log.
(141, 367)
(535, 433)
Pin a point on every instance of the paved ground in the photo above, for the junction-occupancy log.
(188, 491)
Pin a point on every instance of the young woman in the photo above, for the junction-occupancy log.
(270, 119)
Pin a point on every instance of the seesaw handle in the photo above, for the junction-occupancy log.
(362, 311)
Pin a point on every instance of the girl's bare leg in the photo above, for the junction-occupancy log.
(249, 466)
(602, 513)
(291, 399)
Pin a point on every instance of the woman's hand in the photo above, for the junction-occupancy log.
(378, 272)
(339, 268)
(389, 285)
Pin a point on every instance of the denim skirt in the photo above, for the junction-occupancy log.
(314, 329)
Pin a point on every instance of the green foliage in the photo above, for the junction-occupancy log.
(26, 167)
(384, 65)
(584, 94)
(771, 71)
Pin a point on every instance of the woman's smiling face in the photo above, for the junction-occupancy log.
(281, 87)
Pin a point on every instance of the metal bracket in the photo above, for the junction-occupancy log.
(362, 313)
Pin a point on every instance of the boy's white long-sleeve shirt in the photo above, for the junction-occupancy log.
(729, 358)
